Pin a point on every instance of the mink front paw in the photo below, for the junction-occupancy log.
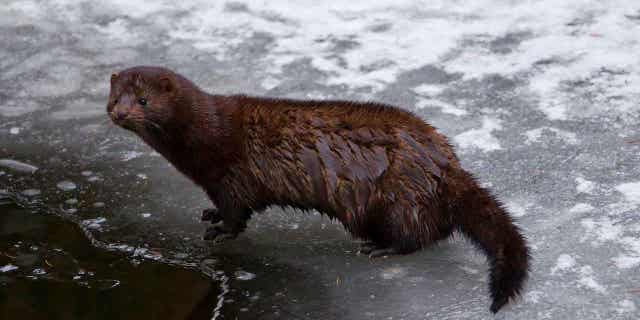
(218, 233)
(374, 250)
(212, 215)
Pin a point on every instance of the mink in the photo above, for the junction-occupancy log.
(389, 177)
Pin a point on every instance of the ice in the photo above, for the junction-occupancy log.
(534, 135)
(130, 155)
(31, 192)
(15, 108)
(8, 268)
(66, 185)
(244, 275)
(393, 273)
(18, 166)
(39, 271)
(80, 108)
(94, 223)
(539, 98)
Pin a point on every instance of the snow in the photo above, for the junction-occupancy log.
(588, 280)
(604, 229)
(631, 191)
(581, 208)
(444, 107)
(482, 137)
(534, 135)
(565, 262)
(584, 186)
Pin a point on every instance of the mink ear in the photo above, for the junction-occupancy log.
(167, 84)
(114, 76)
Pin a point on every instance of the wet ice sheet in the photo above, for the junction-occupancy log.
(539, 97)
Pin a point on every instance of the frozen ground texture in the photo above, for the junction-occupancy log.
(541, 98)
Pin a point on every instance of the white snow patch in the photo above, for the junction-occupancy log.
(631, 191)
(534, 296)
(603, 228)
(429, 90)
(270, 83)
(626, 306)
(565, 262)
(444, 106)
(587, 279)
(120, 30)
(517, 209)
(14, 130)
(631, 257)
(584, 186)
(534, 135)
(481, 138)
(146, 215)
(581, 208)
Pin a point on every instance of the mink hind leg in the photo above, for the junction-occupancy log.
(386, 234)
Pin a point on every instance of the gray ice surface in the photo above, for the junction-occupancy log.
(540, 98)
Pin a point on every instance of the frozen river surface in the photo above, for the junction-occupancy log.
(540, 98)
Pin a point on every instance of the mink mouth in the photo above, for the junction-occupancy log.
(125, 124)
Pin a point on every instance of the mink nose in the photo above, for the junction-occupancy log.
(119, 114)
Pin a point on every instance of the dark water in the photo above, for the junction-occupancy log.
(60, 275)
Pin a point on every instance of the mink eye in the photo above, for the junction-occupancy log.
(115, 101)
(142, 101)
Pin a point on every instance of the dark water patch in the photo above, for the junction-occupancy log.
(59, 275)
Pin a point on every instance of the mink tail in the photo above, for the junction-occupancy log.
(482, 218)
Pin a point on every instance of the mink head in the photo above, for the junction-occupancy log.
(148, 101)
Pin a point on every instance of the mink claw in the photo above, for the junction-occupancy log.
(218, 234)
(377, 253)
(212, 215)
(367, 248)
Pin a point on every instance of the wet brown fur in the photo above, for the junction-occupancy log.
(385, 174)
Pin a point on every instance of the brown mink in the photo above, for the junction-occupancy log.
(384, 173)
